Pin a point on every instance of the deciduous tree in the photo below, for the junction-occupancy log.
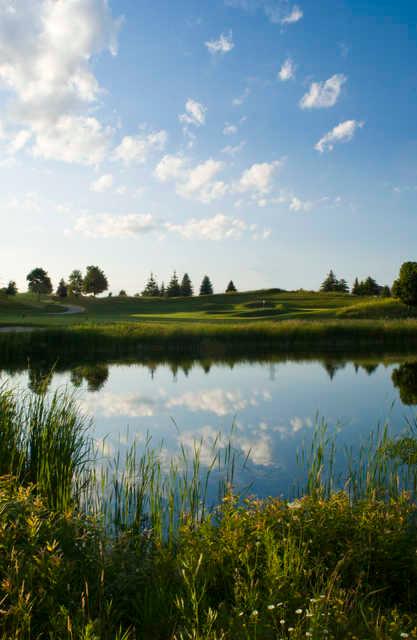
(39, 282)
(95, 281)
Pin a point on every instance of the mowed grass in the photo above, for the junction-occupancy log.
(237, 309)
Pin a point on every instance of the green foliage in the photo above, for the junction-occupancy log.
(405, 287)
(206, 288)
(369, 287)
(39, 282)
(11, 289)
(75, 283)
(231, 287)
(95, 281)
(332, 284)
(122, 293)
(405, 379)
(151, 289)
(62, 289)
(174, 288)
(186, 286)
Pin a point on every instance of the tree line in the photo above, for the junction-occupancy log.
(367, 287)
(94, 281)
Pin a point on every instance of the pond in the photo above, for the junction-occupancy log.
(269, 407)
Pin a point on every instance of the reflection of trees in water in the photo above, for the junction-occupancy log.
(405, 380)
(95, 375)
(333, 367)
(40, 378)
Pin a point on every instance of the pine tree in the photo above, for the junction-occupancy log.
(162, 290)
(342, 286)
(356, 288)
(186, 286)
(62, 289)
(206, 288)
(330, 283)
(231, 287)
(122, 293)
(174, 289)
(151, 289)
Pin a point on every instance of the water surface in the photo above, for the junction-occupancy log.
(270, 406)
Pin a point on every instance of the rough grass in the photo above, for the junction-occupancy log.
(332, 564)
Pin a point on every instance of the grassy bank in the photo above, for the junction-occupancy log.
(118, 340)
(140, 556)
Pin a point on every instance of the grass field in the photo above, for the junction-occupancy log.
(237, 308)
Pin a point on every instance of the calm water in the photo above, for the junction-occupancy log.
(272, 407)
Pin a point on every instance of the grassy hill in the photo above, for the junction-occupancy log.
(236, 308)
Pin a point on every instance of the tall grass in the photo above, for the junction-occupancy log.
(135, 550)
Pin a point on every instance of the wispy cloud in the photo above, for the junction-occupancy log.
(343, 132)
(103, 183)
(277, 11)
(323, 94)
(224, 44)
(287, 70)
(195, 113)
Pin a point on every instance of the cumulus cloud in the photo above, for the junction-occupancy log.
(323, 94)
(103, 183)
(287, 70)
(46, 50)
(218, 227)
(258, 178)
(294, 16)
(115, 226)
(343, 132)
(195, 113)
(137, 148)
(224, 44)
(192, 182)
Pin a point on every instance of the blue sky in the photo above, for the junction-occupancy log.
(261, 140)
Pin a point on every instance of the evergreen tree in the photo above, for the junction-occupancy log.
(11, 289)
(342, 286)
(206, 288)
(162, 290)
(231, 287)
(95, 281)
(385, 291)
(62, 289)
(186, 286)
(174, 288)
(151, 289)
(356, 288)
(75, 283)
(330, 282)
(122, 293)
(39, 282)
(370, 287)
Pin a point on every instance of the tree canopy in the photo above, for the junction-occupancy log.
(332, 284)
(95, 281)
(151, 289)
(206, 287)
(174, 287)
(186, 286)
(75, 283)
(231, 287)
(39, 282)
(405, 287)
(62, 289)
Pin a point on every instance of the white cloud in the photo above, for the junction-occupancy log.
(46, 50)
(72, 139)
(223, 45)
(170, 168)
(237, 102)
(343, 132)
(113, 226)
(195, 113)
(323, 94)
(200, 182)
(277, 11)
(234, 150)
(229, 129)
(300, 205)
(219, 227)
(294, 16)
(258, 178)
(217, 401)
(287, 70)
(103, 183)
(137, 148)
(19, 141)
(192, 182)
